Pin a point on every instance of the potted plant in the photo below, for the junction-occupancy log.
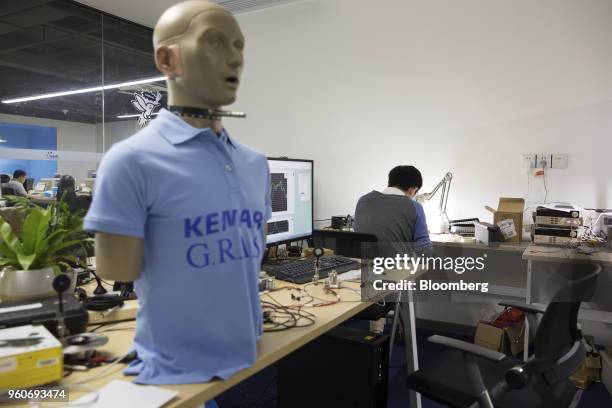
(30, 262)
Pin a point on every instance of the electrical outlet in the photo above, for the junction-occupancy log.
(528, 162)
(543, 160)
(559, 161)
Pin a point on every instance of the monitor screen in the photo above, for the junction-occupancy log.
(292, 207)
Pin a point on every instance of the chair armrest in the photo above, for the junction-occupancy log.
(524, 306)
(469, 348)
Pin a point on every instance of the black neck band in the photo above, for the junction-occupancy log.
(200, 113)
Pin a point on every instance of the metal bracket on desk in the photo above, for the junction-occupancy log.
(528, 301)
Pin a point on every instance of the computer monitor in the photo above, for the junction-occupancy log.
(292, 200)
(50, 182)
(88, 184)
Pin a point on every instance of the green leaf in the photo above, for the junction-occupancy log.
(11, 240)
(56, 248)
(34, 230)
(22, 202)
(55, 238)
(6, 252)
(26, 261)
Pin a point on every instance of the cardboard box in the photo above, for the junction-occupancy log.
(585, 376)
(591, 369)
(509, 214)
(24, 365)
(508, 340)
(582, 378)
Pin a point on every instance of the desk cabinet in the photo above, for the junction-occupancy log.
(504, 270)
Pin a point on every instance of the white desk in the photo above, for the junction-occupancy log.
(558, 254)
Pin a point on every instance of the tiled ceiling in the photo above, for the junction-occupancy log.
(55, 45)
(146, 12)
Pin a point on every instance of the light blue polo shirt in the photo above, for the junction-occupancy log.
(200, 202)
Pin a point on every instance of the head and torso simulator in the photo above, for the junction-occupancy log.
(180, 209)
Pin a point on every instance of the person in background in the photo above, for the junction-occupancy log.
(19, 177)
(66, 188)
(395, 218)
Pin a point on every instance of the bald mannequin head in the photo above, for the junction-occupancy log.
(175, 21)
(198, 47)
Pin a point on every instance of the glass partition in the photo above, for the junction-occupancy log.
(74, 81)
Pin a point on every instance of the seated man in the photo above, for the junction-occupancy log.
(19, 177)
(397, 221)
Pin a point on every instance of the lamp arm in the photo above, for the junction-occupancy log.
(445, 193)
(445, 184)
(436, 188)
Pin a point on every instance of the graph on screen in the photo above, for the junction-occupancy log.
(291, 200)
(279, 192)
(278, 227)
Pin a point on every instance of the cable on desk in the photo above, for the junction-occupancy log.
(115, 322)
(274, 311)
(324, 302)
(292, 318)
(101, 374)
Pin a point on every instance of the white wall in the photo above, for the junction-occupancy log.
(71, 136)
(446, 85)
(115, 132)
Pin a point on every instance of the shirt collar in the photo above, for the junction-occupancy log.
(176, 131)
(393, 191)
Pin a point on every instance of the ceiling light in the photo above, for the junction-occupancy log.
(133, 116)
(84, 90)
(2, 140)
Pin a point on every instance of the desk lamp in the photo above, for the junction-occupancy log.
(444, 185)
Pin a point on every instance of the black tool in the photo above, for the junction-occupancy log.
(99, 290)
(318, 253)
(61, 283)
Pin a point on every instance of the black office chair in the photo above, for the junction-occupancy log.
(471, 376)
(8, 191)
(351, 244)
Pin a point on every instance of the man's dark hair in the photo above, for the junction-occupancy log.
(19, 173)
(405, 177)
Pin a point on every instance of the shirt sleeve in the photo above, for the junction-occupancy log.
(422, 243)
(119, 203)
(20, 189)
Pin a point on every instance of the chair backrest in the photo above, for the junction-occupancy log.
(82, 202)
(343, 243)
(558, 329)
(5, 178)
(8, 191)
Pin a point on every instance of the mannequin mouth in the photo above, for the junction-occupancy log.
(232, 80)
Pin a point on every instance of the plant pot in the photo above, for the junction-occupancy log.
(32, 284)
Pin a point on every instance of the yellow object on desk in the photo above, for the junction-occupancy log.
(29, 356)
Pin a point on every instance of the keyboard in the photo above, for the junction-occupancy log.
(302, 270)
